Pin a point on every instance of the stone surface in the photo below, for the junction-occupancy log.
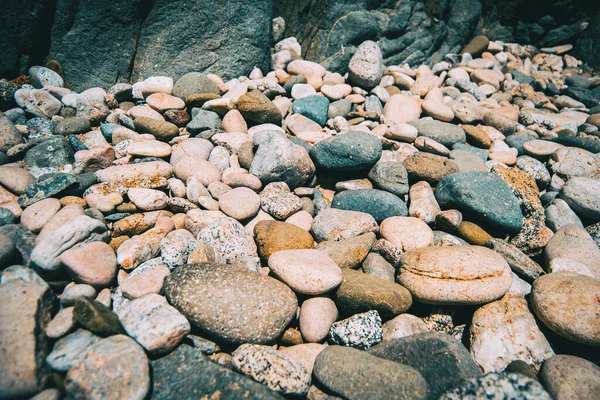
(348, 253)
(572, 377)
(23, 345)
(256, 310)
(483, 196)
(342, 371)
(504, 331)
(272, 368)
(377, 203)
(455, 275)
(360, 292)
(442, 360)
(406, 233)
(115, 367)
(317, 314)
(501, 386)
(360, 330)
(187, 374)
(94, 263)
(306, 271)
(348, 152)
(578, 320)
(583, 196)
(573, 245)
(333, 224)
(153, 323)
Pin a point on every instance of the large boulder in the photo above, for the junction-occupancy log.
(227, 38)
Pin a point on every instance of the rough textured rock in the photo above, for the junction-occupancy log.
(256, 310)
(189, 375)
(501, 386)
(23, 344)
(342, 371)
(442, 360)
(155, 39)
(114, 368)
(504, 331)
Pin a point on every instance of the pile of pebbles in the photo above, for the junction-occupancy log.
(395, 232)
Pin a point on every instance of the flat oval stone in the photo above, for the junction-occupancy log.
(481, 196)
(317, 314)
(354, 374)
(240, 203)
(230, 302)
(569, 377)
(583, 196)
(273, 236)
(442, 132)
(149, 148)
(360, 292)
(306, 271)
(378, 203)
(407, 233)
(334, 224)
(458, 275)
(567, 303)
(347, 152)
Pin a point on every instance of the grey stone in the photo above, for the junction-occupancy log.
(566, 376)
(71, 350)
(193, 83)
(390, 176)
(360, 330)
(583, 196)
(352, 373)
(442, 360)
(442, 132)
(54, 152)
(41, 76)
(9, 135)
(187, 374)
(499, 386)
(278, 159)
(255, 309)
(366, 66)
(347, 152)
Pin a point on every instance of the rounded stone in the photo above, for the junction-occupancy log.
(455, 275)
(347, 152)
(567, 303)
(230, 302)
(354, 374)
(442, 132)
(481, 196)
(406, 233)
(114, 368)
(38, 214)
(569, 377)
(94, 263)
(306, 271)
(162, 130)
(360, 292)
(377, 203)
(240, 203)
(428, 167)
(193, 83)
(317, 314)
(274, 236)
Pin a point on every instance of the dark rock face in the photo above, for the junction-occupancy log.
(223, 37)
(415, 32)
(100, 43)
(95, 40)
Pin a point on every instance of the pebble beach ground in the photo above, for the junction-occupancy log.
(397, 232)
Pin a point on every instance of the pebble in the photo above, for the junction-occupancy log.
(306, 271)
(333, 224)
(115, 367)
(507, 321)
(567, 376)
(341, 371)
(71, 350)
(403, 325)
(149, 148)
(38, 214)
(359, 292)
(273, 236)
(577, 319)
(377, 203)
(360, 330)
(153, 323)
(470, 275)
(94, 264)
(406, 233)
(317, 314)
(348, 253)
(195, 290)
(501, 386)
(275, 369)
(441, 359)
(240, 203)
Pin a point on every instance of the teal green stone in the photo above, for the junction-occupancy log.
(378, 203)
(313, 107)
(481, 196)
